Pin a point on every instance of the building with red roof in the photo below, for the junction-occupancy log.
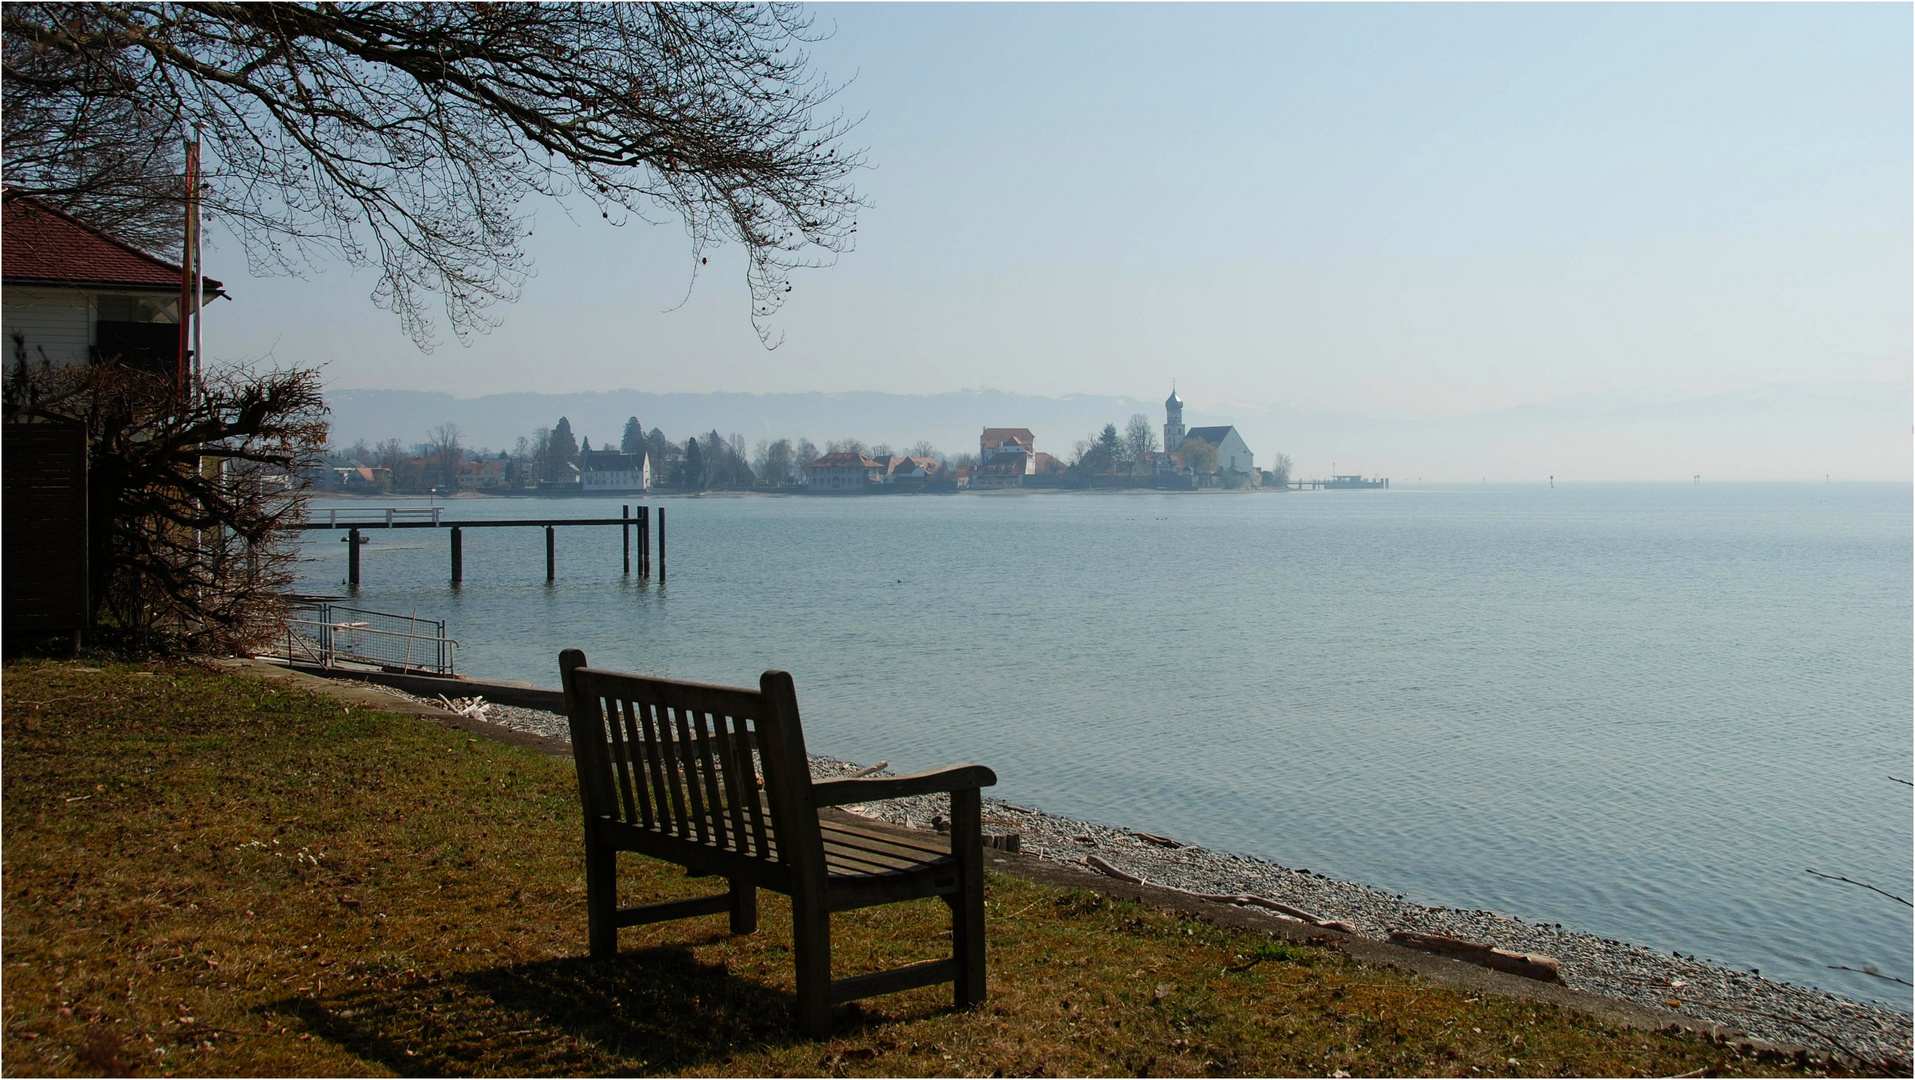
(71, 293)
(843, 473)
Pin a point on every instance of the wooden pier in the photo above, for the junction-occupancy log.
(429, 518)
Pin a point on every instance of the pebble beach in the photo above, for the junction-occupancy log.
(1744, 1001)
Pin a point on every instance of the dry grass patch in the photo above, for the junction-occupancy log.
(208, 874)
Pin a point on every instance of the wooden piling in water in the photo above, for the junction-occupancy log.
(627, 521)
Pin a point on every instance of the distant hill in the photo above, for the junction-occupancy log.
(1848, 430)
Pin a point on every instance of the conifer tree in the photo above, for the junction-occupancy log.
(564, 449)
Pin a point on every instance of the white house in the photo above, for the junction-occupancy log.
(843, 472)
(73, 293)
(607, 471)
(1005, 456)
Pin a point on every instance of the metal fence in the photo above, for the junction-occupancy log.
(327, 634)
(381, 515)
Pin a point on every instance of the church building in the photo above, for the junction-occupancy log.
(1233, 454)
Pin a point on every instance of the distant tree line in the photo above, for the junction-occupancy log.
(1108, 450)
(551, 458)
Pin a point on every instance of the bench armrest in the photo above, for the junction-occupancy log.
(874, 788)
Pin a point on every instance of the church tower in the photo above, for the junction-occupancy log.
(1173, 420)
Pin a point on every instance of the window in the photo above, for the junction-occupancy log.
(122, 307)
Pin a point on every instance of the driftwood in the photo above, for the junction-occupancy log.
(1239, 899)
(1528, 965)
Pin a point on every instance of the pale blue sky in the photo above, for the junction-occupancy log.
(1423, 209)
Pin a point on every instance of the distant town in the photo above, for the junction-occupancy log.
(557, 460)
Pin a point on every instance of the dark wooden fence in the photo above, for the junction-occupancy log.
(44, 550)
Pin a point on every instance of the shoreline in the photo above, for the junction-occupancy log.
(1767, 1009)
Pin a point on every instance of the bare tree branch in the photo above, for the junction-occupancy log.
(1863, 884)
(1869, 969)
(409, 136)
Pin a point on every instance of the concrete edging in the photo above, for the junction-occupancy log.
(331, 685)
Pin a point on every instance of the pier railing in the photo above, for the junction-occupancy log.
(327, 635)
(381, 515)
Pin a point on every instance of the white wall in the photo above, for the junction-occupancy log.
(59, 321)
(1234, 447)
(613, 480)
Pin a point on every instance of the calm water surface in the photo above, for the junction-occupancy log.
(1641, 711)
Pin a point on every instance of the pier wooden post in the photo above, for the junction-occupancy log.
(352, 557)
(625, 537)
(661, 545)
(645, 542)
(458, 555)
(551, 559)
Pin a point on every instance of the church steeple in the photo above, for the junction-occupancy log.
(1173, 419)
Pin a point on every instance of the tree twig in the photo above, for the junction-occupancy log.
(1866, 971)
(1863, 884)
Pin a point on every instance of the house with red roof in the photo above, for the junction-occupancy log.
(843, 473)
(907, 473)
(71, 293)
(1004, 457)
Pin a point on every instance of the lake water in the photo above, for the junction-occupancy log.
(1638, 710)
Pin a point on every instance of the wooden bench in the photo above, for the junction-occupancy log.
(715, 779)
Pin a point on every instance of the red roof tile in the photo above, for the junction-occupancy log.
(843, 461)
(41, 244)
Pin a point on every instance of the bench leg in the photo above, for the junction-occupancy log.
(811, 946)
(744, 906)
(967, 906)
(601, 899)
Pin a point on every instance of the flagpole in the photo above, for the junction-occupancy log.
(183, 373)
(199, 270)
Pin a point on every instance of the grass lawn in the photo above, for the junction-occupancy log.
(205, 873)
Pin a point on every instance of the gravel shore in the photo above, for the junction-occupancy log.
(1766, 1009)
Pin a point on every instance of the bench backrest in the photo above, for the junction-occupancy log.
(687, 760)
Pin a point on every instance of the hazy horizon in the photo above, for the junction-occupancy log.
(1416, 213)
(1794, 432)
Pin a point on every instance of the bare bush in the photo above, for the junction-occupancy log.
(193, 506)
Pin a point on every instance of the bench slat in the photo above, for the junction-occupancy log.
(708, 767)
(618, 720)
(889, 841)
(843, 848)
(725, 746)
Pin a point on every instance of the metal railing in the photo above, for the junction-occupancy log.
(327, 634)
(370, 515)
